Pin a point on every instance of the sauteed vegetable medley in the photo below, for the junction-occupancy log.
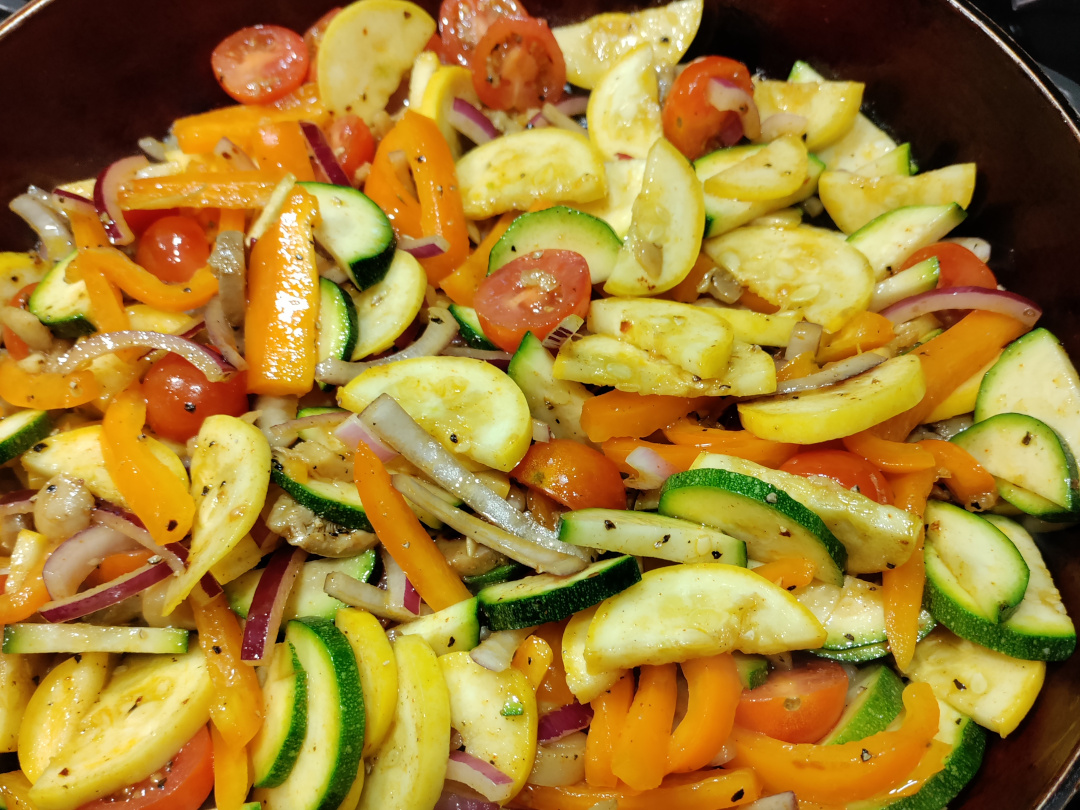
(486, 414)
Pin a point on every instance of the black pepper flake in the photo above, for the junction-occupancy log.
(849, 636)
(37, 448)
(890, 566)
(454, 438)
(958, 685)
(205, 489)
(64, 772)
(217, 649)
(716, 555)
(609, 525)
(451, 642)
(78, 658)
(436, 319)
(51, 488)
(1026, 440)
(189, 407)
(785, 533)
(665, 538)
(172, 526)
(865, 755)
(738, 794)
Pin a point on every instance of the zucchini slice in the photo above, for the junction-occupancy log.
(556, 403)
(452, 629)
(278, 742)
(829, 107)
(355, 231)
(21, 431)
(888, 240)
(333, 501)
(469, 327)
(919, 278)
(386, 309)
(753, 669)
(874, 701)
(498, 574)
(559, 228)
(337, 324)
(82, 638)
(62, 305)
(307, 597)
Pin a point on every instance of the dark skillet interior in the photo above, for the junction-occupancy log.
(83, 80)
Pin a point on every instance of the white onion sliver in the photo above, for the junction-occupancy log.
(980, 247)
(285, 433)
(783, 124)
(153, 148)
(838, 372)
(96, 345)
(558, 118)
(26, 326)
(540, 431)
(1006, 303)
(728, 98)
(573, 105)
(139, 534)
(229, 265)
(353, 592)
(778, 801)
(651, 468)
(71, 203)
(234, 155)
(221, 334)
(494, 356)
(352, 432)
(497, 650)
(805, 337)
(50, 229)
(566, 329)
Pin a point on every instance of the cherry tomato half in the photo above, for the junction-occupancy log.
(173, 248)
(16, 346)
(188, 779)
(352, 142)
(533, 293)
(845, 468)
(179, 397)
(463, 23)
(691, 122)
(313, 38)
(573, 474)
(797, 706)
(518, 65)
(959, 266)
(260, 64)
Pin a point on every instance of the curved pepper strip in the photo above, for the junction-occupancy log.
(155, 494)
(703, 790)
(553, 691)
(890, 456)
(618, 413)
(282, 145)
(968, 480)
(88, 231)
(847, 772)
(532, 660)
(201, 190)
(237, 707)
(788, 572)
(232, 779)
(144, 286)
(714, 692)
(866, 331)
(16, 346)
(609, 717)
(640, 756)
(27, 593)
(45, 390)
(106, 304)
(440, 208)
(738, 443)
(461, 285)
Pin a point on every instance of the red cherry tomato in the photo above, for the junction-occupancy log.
(179, 397)
(313, 38)
(139, 219)
(518, 65)
(693, 124)
(799, 705)
(573, 474)
(463, 23)
(847, 469)
(16, 346)
(352, 142)
(260, 64)
(173, 248)
(533, 293)
(188, 780)
(959, 266)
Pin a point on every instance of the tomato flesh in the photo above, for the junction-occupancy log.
(173, 248)
(959, 266)
(352, 142)
(845, 468)
(179, 397)
(463, 23)
(797, 706)
(260, 64)
(533, 293)
(518, 65)
(690, 121)
(573, 474)
(183, 784)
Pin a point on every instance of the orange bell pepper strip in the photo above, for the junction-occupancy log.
(714, 692)
(890, 456)
(232, 780)
(738, 443)
(865, 331)
(88, 231)
(27, 592)
(144, 286)
(16, 346)
(553, 691)
(441, 209)
(232, 219)
(402, 535)
(676, 455)
(757, 303)
(237, 705)
(106, 303)
(118, 564)
(282, 145)
(609, 716)
(45, 390)
(532, 660)
(617, 413)
(686, 291)
(801, 365)
(387, 188)
(968, 480)
(703, 790)
(847, 772)
(157, 495)
(199, 134)
(950, 359)
(194, 190)
(788, 572)
(639, 757)
(461, 284)
(281, 319)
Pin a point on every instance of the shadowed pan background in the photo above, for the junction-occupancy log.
(83, 80)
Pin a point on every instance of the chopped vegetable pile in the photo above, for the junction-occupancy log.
(485, 414)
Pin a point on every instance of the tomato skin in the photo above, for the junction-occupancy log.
(352, 142)
(463, 23)
(533, 293)
(959, 266)
(179, 397)
(260, 64)
(573, 474)
(691, 123)
(173, 248)
(518, 65)
(843, 467)
(798, 706)
(140, 220)
(313, 38)
(189, 778)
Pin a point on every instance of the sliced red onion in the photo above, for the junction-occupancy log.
(778, 801)
(1006, 303)
(783, 124)
(480, 775)
(208, 362)
(324, 155)
(208, 587)
(75, 558)
(234, 155)
(229, 265)
(805, 337)
(221, 334)
(557, 118)
(651, 469)
(411, 598)
(440, 331)
(395, 582)
(566, 329)
(573, 105)
(71, 203)
(17, 503)
(497, 358)
(497, 650)
(565, 720)
(107, 197)
(838, 372)
(540, 431)
(427, 247)
(47, 224)
(353, 433)
(471, 122)
(113, 592)
(130, 525)
(456, 801)
(726, 97)
(268, 603)
(374, 600)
